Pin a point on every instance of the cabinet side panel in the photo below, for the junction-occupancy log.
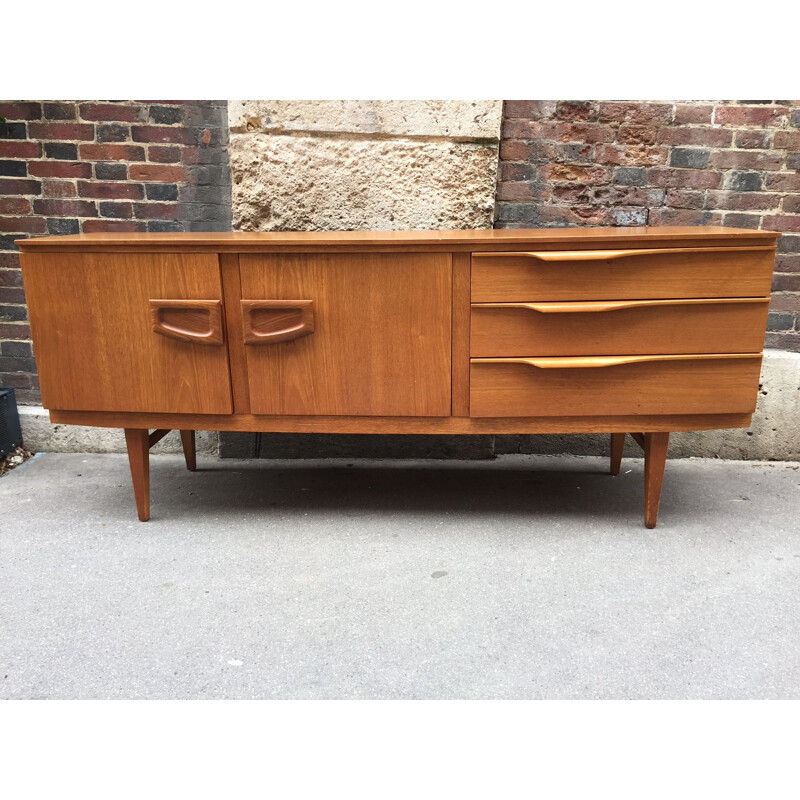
(94, 337)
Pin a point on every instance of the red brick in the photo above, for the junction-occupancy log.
(635, 112)
(61, 131)
(748, 115)
(110, 225)
(783, 182)
(693, 115)
(786, 283)
(783, 222)
(111, 112)
(60, 111)
(684, 178)
(156, 172)
(591, 133)
(111, 152)
(576, 110)
(22, 225)
(59, 169)
(759, 140)
(14, 331)
(12, 148)
(784, 302)
(529, 109)
(114, 190)
(633, 196)
(791, 204)
(517, 171)
(510, 150)
(161, 134)
(20, 110)
(19, 186)
(670, 216)
(58, 189)
(12, 294)
(637, 134)
(14, 205)
(743, 201)
(9, 261)
(156, 210)
(65, 208)
(739, 220)
(164, 155)
(685, 198)
(631, 155)
(787, 140)
(571, 194)
(116, 210)
(747, 159)
(572, 172)
(193, 155)
(512, 129)
(521, 191)
(782, 341)
(711, 137)
(787, 263)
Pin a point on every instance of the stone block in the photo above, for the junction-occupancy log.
(462, 119)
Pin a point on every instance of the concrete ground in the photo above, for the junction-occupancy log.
(526, 577)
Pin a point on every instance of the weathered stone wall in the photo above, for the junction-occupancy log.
(371, 164)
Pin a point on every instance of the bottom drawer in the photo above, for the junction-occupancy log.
(614, 385)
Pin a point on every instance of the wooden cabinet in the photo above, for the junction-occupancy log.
(640, 330)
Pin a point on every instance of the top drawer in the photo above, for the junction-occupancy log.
(622, 274)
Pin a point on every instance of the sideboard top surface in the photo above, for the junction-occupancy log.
(436, 239)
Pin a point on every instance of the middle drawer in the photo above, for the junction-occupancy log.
(627, 327)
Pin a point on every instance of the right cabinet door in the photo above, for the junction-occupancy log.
(361, 334)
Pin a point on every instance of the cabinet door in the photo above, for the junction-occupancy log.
(128, 332)
(357, 334)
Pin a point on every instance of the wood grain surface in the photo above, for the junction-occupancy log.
(94, 340)
(382, 338)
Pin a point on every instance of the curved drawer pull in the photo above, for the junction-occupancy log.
(196, 321)
(588, 362)
(272, 321)
(587, 307)
(610, 255)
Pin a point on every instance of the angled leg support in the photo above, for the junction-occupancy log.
(655, 459)
(189, 450)
(617, 445)
(138, 444)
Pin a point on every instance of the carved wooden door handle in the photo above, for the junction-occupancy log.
(611, 255)
(271, 321)
(584, 362)
(618, 305)
(197, 321)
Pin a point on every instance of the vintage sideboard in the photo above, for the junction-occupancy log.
(616, 330)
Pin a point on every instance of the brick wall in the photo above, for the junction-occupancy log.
(84, 166)
(570, 163)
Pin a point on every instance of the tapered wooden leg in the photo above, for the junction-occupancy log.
(655, 459)
(189, 451)
(138, 442)
(617, 445)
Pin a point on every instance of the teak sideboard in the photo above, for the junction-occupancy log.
(616, 330)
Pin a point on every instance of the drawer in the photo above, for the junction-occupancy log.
(622, 274)
(615, 385)
(627, 327)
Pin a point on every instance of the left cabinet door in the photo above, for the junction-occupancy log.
(138, 332)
